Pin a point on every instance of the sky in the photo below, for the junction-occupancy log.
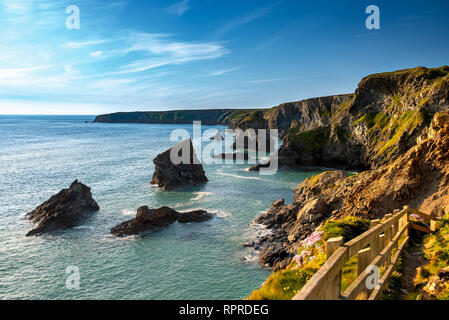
(130, 55)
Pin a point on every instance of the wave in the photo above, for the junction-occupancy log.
(128, 212)
(201, 195)
(238, 176)
(84, 227)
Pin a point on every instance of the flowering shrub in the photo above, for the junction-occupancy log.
(312, 239)
(302, 257)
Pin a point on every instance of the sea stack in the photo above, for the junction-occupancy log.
(178, 167)
(63, 210)
(148, 219)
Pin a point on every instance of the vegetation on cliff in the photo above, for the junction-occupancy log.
(285, 284)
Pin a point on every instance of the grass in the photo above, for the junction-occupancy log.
(311, 141)
(348, 228)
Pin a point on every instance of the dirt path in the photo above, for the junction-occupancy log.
(414, 258)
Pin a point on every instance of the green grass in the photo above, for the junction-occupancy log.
(311, 140)
(436, 255)
(348, 228)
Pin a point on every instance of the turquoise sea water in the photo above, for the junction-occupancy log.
(40, 155)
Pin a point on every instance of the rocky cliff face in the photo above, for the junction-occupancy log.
(418, 178)
(381, 120)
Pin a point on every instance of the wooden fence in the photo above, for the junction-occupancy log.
(380, 246)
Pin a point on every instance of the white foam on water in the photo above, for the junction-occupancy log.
(84, 227)
(201, 195)
(238, 176)
(128, 212)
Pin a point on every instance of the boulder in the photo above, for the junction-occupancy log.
(178, 167)
(63, 210)
(148, 219)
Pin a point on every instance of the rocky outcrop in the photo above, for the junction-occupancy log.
(148, 219)
(436, 285)
(419, 178)
(382, 120)
(178, 167)
(63, 210)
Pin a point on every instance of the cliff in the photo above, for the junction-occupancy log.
(207, 117)
(418, 178)
(364, 130)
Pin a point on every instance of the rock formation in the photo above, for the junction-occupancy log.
(364, 130)
(169, 174)
(419, 178)
(63, 210)
(148, 219)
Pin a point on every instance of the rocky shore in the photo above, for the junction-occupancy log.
(419, 178)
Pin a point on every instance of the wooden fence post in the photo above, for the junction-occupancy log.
(332, 245)
(375, 244)
(333, 289)
(364, 260)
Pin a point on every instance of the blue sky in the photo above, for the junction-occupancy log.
(195, 54)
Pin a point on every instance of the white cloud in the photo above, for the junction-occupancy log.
(239, 21)
(96, 53)
(82, 44)
(179, 8)
(220, 72)
(163, 51)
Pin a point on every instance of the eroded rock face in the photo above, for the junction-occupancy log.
(188, 171)
(419, 178)
(436, 285)
(148, 219)
(63, 210)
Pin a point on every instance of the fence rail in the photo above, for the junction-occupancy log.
(379, 247)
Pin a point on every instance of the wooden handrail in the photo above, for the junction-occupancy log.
(373, 248)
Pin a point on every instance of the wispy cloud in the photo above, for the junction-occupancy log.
(96, 53)
(242, 20)
(220, 72)
(83, 44)
(163, 51)
(179, 8)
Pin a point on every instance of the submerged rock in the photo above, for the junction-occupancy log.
(63, 210)
(148, 219)
(188, 171)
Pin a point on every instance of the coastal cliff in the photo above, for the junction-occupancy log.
(207, 117)
(381, 120)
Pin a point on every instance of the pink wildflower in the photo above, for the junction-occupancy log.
(312, 239)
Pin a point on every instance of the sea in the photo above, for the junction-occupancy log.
(40, 155)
